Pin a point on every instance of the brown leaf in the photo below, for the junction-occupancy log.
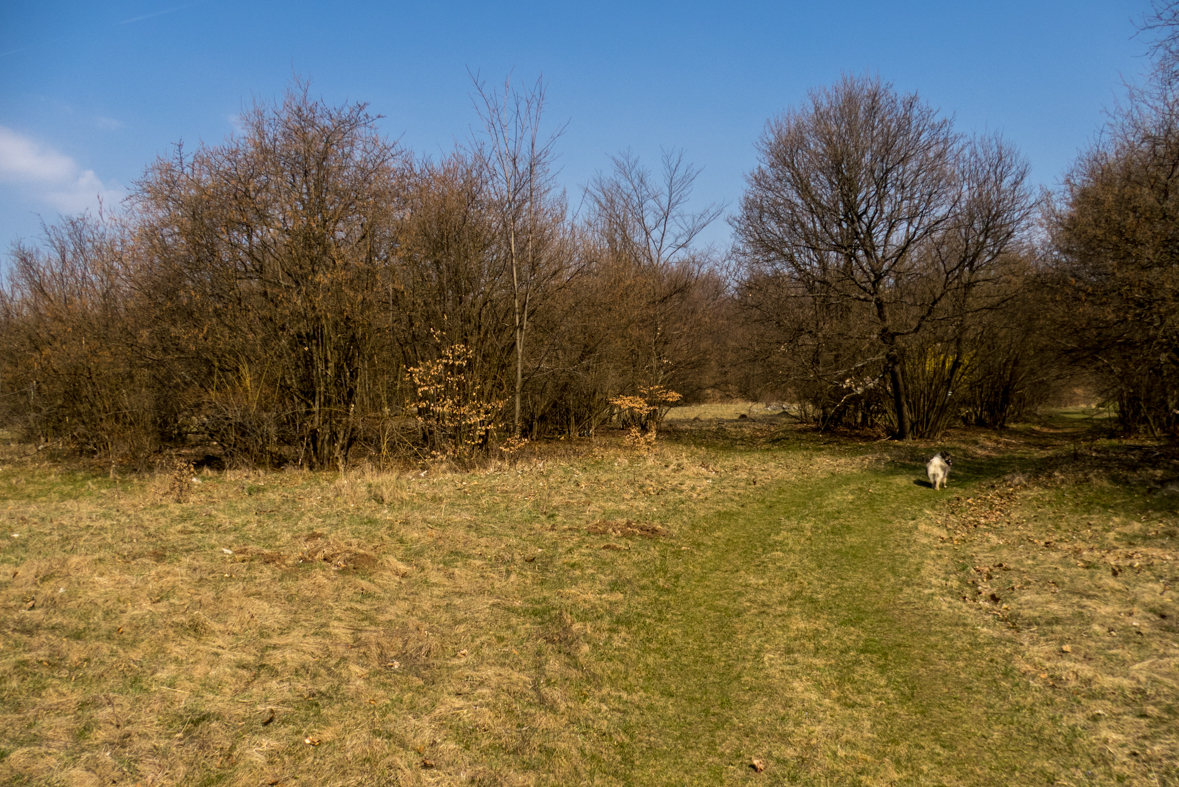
(427, 763)
(757, 765)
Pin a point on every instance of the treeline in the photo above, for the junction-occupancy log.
(307, 289)
(900, 274)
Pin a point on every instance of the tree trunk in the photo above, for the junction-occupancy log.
(896, 374)
(897, 377)
(521, 322)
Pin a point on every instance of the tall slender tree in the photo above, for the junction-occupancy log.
(530, 209)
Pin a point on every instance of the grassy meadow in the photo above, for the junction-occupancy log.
(745, 602)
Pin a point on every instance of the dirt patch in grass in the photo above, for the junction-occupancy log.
(627, 528)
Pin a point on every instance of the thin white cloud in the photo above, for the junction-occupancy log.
(84, 192)
(22, 159)
(43, 175)
(108, 124)
(154, 14)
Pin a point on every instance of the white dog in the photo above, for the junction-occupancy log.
(938, 469)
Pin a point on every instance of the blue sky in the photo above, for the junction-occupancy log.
(91, 93)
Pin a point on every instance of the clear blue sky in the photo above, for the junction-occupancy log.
(91, 93)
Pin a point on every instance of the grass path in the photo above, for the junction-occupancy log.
(799, 604)
(797, 629)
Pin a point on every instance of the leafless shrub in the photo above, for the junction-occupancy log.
(70, 357)
(284, 297)
(266, 259)
(1113, 230)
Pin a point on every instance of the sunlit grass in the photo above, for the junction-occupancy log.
(594, 615)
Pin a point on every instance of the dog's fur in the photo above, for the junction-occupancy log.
(938, 469)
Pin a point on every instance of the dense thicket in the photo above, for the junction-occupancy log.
(72, 366)
(1115, 234)
(307, 287)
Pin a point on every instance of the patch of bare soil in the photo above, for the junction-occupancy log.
(626, 528)
(317, 548)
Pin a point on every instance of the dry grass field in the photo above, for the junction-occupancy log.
(746, 602)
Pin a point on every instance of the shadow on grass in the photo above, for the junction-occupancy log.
(1060, 447)
(1140, 472)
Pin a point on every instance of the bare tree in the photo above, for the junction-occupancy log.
(530, 211)
(1162, 24)
(70, 356)
(1115, 231)
(267, 256)
(644, 224)
(868, 196)
(449, 284)
(981, 252)
(449, 305)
